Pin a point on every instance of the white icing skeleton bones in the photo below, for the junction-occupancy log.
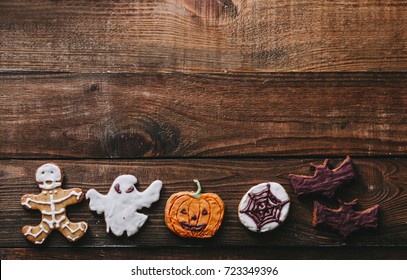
(121, 203)
(52, 203)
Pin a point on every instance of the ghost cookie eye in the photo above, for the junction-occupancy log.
(130, 189)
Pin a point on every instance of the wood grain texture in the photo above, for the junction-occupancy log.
(232, 92)
(176, 115)
(205, 253)
(381, 181)
(203, 36)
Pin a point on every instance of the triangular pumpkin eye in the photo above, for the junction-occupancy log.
(183, 211)
(204, 212)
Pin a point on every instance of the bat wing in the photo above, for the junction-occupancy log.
(345, 171)
(96, 201)
(150, 195)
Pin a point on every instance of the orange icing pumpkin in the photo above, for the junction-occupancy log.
(197, 215)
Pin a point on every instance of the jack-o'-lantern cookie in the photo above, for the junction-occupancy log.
(52, 203)
(264, 207)
(196, 215)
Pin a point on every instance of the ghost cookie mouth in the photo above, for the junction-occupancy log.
(190, 227)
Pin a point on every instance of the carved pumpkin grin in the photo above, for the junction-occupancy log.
(190, 227)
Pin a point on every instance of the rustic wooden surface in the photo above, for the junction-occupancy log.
(205, 253)
(183, 36)
(105, 116)
(233, 93)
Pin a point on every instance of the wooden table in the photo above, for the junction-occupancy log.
(233, 93)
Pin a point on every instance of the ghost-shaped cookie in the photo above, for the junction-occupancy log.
(121, 203)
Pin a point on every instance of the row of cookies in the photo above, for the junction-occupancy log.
(188, 214)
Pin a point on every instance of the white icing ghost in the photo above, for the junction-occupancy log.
(48, 176)
(121, 203)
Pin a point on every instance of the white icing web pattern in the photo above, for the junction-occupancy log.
(264, 208)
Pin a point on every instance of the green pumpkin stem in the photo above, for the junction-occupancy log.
(198, 192)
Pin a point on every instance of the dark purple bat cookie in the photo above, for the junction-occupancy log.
(345, 220)
(325, 181)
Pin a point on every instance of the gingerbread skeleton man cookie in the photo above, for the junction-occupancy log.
(52, 203)
(121, 203)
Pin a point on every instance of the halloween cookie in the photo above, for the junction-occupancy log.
(197, 215)
(264, 207)
(345, 220)
(52, 203)
(121, 203)
(325, 181)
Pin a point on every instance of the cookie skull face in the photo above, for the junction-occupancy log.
(48, 176)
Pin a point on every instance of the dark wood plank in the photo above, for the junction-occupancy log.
(381, 181)
(169, 115)
(182, 253)
(191, 36)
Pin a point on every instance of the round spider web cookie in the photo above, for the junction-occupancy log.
(264, 207)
